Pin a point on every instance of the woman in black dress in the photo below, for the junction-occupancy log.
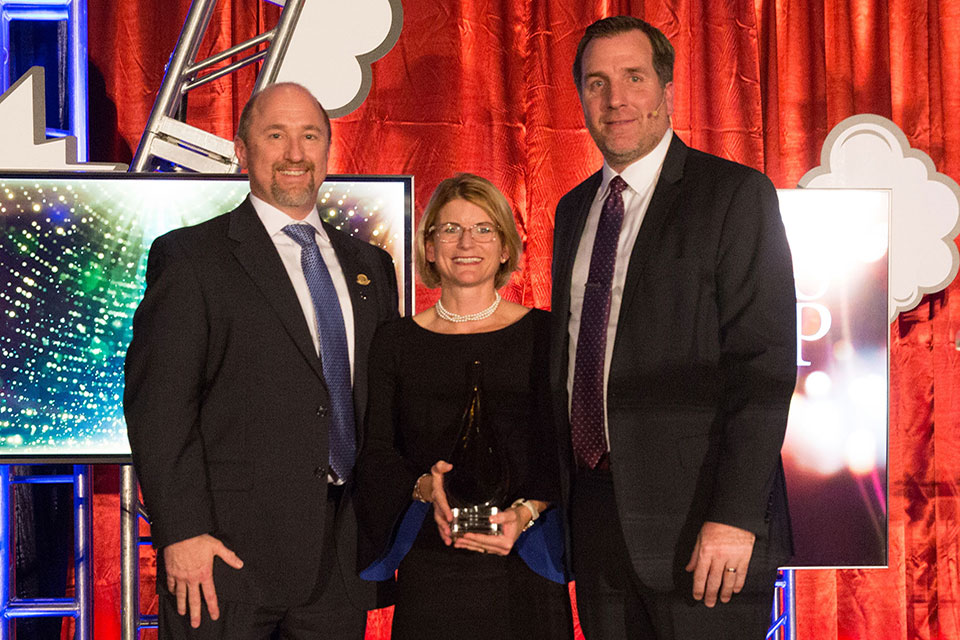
(476, 585)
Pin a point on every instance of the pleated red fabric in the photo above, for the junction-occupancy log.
(485, 86)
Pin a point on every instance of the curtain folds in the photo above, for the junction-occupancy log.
(485, 86)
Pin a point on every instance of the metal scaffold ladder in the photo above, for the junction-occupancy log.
(166, 139)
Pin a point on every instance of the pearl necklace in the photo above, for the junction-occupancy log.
(479, 315)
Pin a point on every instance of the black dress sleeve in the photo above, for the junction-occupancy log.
(385, 478)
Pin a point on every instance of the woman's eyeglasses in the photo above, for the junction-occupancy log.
(452, 232)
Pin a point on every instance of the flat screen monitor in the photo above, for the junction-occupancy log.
(73, 254)
(835, 451)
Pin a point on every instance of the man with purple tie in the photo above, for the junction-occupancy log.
(673, 363)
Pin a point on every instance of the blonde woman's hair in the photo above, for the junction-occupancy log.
(478, 191)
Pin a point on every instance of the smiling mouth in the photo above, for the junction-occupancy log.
(293, 171)
(466, 260)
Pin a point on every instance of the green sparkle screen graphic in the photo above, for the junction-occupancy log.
(73, 254)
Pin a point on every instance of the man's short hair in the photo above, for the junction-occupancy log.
(483, 193)
(246, 116)
(663, 54)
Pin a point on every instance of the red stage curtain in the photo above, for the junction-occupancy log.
(485, 86)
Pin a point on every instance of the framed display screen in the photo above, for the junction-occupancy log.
(835, 452)
(73, 254)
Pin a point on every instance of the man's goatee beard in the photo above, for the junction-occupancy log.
(295, 197)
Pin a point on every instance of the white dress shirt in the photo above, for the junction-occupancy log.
(641, 178)
(274, 220)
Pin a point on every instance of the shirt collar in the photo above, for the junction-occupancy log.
(274, 220)
(641, 174)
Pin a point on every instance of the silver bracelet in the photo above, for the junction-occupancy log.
(532, 508)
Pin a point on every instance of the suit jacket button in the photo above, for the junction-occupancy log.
(322, 412)
(320, 472)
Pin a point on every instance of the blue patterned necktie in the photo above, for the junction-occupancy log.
(586, 405)
(334, 353)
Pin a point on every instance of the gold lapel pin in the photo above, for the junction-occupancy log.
(362, 279)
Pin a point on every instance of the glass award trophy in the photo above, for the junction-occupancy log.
(478, 484)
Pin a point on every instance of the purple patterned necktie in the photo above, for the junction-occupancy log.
(586, 411)
(334, 353)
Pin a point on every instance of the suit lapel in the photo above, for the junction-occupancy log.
(365, 315)
(569, 242)
(661, 208)
(358, 282)
(570, 223)
(258, 256)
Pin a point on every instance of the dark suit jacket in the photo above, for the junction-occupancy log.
(703, 366)
(226, 405)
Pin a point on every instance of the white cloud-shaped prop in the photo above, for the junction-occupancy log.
(869, 151)
(23, 135)
(333, 46)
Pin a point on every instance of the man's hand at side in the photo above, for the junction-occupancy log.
(189, 565)
(719, 561)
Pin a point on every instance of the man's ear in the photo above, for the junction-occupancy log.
(240, 149)
(668, 97)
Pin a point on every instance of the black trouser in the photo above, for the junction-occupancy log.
(613, 603)
(328, 614)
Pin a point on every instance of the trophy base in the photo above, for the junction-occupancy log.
(474, 519)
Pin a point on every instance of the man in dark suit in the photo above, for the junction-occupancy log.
(674, 363)
(240, 409)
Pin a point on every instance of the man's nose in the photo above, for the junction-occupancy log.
(294, 150)
(616, 95)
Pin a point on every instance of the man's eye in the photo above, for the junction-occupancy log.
(635, 78)
(596, 84)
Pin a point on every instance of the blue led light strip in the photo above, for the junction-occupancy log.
(78, 607)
